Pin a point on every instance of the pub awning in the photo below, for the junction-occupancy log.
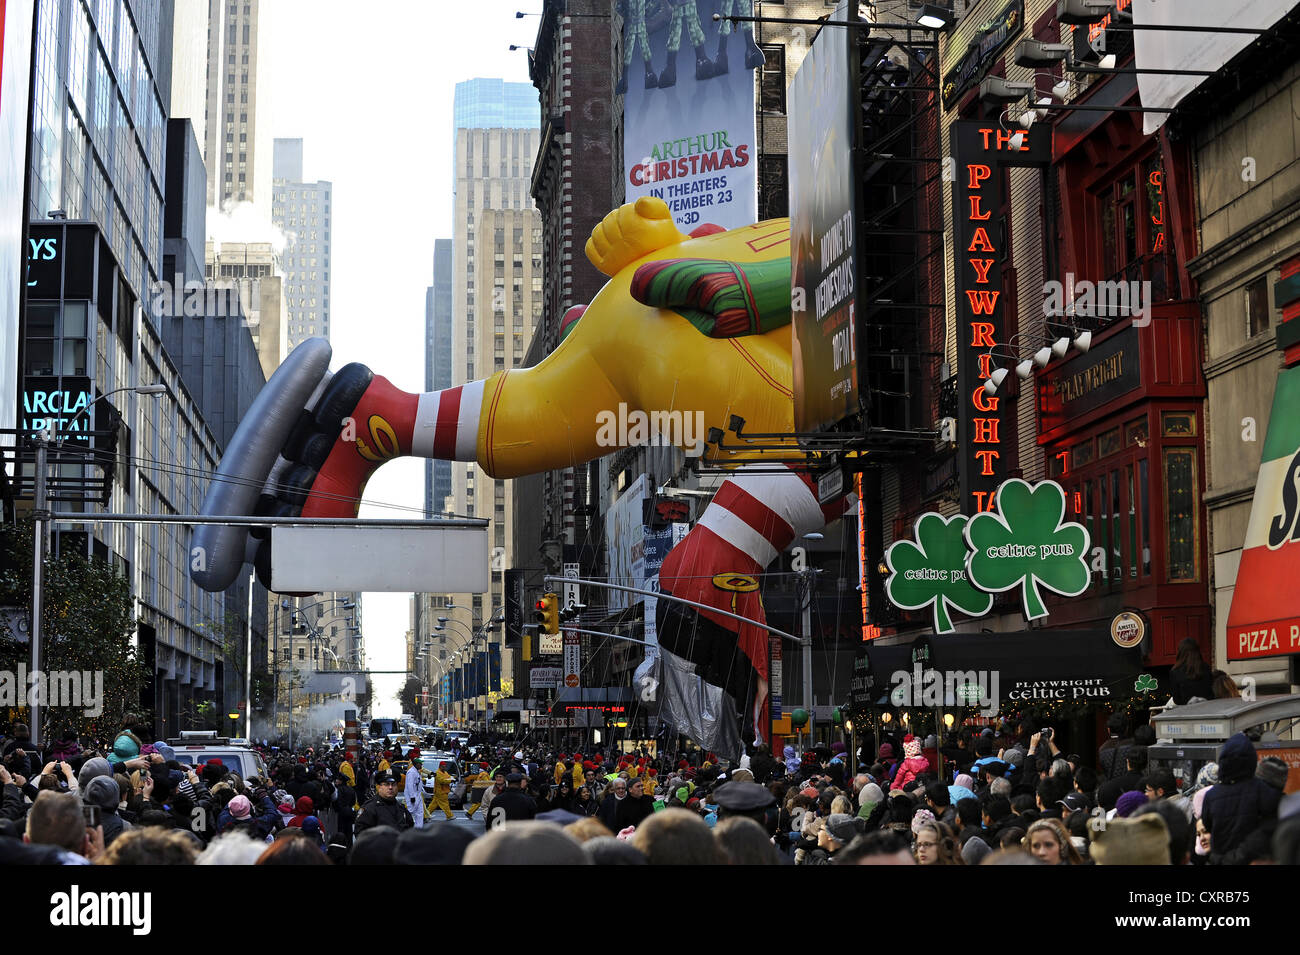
(1025, 667)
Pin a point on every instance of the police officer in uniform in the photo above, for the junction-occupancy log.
(384, 809)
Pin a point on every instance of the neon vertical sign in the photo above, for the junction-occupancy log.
(981, 149)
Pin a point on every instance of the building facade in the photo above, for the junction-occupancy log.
(99, 169)
(302, 210)
(438, 338)
(237, 140)
(496, 298)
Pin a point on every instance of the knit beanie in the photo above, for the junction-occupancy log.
(1128, 802)
(240, 807)
(911, 747)
(1273, 771)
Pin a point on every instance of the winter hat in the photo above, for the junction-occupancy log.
(964, 780)
(842, 827)
(920, 818)
(240, 807)
(911, 747)
(837, 747)
(931, 741)
(742, 776)
(975, 849)
(311, 826)
(1143, 840)
(1014, 757)
(102, 791)
(886, 751)
(871, 793)
(1273, 771)
(91, 768)
(1128, 802)
(810, 792)
(1208, 776)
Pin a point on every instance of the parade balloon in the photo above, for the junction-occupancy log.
(690, 334)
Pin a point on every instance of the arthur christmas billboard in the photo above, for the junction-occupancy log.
(688, 109)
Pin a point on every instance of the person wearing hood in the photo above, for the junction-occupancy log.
(871, 805)
(301, 810)
(1240, 803)
(791, 760)
(913, 764)
(102, 791)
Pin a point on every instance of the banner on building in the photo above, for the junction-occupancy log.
(545, 678)
(688, 110)
(1264, 620)
(514, 606)
(572, 660)
(1179, 50)
(658, 542)
(625, 543)
(15, 81)
(823, 219)
(494, 667)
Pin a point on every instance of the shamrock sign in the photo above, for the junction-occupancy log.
(1024, 543)
(932, 570)
(1146, 683)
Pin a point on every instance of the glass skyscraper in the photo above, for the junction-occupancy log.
(495, 104)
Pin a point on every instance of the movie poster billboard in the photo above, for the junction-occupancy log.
(823, 217)
(15, 82)
(688, 109)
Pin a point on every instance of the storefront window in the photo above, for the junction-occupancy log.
(1137, 433)
(1180, 512)
(1108, 443)
(1146, 517)
(1179, 424)
(1132, 523)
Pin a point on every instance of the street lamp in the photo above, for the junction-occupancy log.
(40, 515)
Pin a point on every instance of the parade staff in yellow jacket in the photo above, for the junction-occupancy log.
(480, 776)
(441, 790)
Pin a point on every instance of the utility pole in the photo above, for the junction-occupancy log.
(805, 642)
(40, 514)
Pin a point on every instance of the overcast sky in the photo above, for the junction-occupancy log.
(368, 87)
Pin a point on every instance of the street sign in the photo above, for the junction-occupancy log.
(545, 678)
(570, 597)
(572, 659)
(552, 723)
(550, 644)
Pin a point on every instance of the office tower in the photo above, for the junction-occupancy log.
(251, 267)
(438, 319)
(302, 211)
(496, 296)
(237, 144)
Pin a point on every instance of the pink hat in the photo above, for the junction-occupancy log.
(240, 807)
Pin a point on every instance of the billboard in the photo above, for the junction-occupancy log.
(823, 216)
(688, 110)
(625, 543)
(15, 82)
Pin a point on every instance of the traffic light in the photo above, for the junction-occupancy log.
(571, 613)
(548, 613)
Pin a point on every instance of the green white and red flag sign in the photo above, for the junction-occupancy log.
(1264, 620)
